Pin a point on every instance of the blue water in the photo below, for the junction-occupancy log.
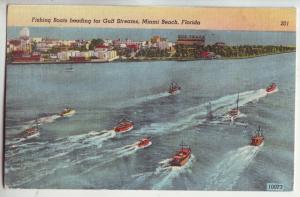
(82, 151)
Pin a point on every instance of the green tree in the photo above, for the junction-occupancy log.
(95, 42)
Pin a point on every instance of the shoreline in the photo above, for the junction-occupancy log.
(147, 59)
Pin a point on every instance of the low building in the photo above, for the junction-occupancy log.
(207, 55)
(220, 44)
(133, 47)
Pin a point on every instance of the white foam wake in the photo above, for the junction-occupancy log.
(197, 115)
(45, 119)
(143, 99)
(109, 156)
(26, 125)
(45, 152)
(227, 172)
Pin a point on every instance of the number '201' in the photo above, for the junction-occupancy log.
(284, 23)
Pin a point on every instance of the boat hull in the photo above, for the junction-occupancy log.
(257, 142)
(68, 114)
(33, 135)
(174, 92)
(180, 163)
(271, 91)
(145, 146)
(121, 130)
(233, 114)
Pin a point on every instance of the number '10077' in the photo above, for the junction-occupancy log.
(274, 187)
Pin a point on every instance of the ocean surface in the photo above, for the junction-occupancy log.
(84, 152)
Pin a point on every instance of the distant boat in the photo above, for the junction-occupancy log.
(124, 126)
(67, 112)
(174, 88)
(234, 113)
(69, 69)
(144, 142)
(258, 138)
(271, 88)
(182, 156)
(31, 132)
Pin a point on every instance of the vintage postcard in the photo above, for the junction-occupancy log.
(150, 98)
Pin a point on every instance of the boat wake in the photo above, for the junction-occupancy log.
(42, 155)
(221, 122)
(26, 157)
(108, 156)
(123, 151)
(162, 177)
(44, 152)
(45, 119)
(93, 137)
(226, 173)
(12, 143)
(26, 125)
(196, 116)
(143, 99)
(221, 106)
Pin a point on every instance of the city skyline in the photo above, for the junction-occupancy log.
(212, 36)
(30, 49)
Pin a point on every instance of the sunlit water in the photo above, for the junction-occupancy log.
(83, 151)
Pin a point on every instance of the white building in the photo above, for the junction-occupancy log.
(24, 33)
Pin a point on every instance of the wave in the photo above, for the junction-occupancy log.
(227, 172)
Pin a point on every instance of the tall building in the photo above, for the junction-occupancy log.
(25, 42)
(191, 40)
(24, 33)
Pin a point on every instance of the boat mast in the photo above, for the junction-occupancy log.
(237, 101)
(259, 131)
(36, 123)
(209, 112)
(182, 145)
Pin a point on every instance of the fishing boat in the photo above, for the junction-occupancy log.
(258, 138)
(31, 132)
(174, 88)
(234, 113)
(144, 142)
(182, 156)
(69, 69)
(271, 88)
(67, 112)
(124, 126)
